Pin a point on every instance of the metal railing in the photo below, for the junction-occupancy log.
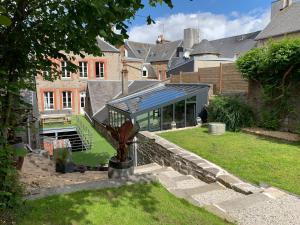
(80, 136)
(85, 133)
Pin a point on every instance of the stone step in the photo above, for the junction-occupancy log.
(215, 196)
(174, 180)
(189, 192)
(243, 202)
(148, 168)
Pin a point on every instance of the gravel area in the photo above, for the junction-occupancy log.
(216, 196)
(38, 172)
(281, 211)
(285, 136)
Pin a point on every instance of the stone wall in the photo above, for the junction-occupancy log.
(255, 100)
(152, 148)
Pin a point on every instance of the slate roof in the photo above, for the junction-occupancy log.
(100, 92)
(152, 52)
(204, 47)
(137, 49)
(105, 46)
(228, 47)
(163, 52)
(286, 21)
(151, 71)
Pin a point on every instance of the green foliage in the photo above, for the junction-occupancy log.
(10, 188)
(276, 67)
(35, 35)
(231, 111)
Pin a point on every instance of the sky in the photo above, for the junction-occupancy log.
(214, 18)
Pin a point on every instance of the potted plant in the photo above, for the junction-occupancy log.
(121, 165)
(19, 154)
(63, 162)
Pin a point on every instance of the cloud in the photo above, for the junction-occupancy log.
(212, 26)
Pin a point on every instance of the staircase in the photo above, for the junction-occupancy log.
(268, 206)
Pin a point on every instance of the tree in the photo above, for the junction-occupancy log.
(276, 67)
(41, 29)
(32, 32)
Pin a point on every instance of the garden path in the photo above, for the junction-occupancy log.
(269, 206)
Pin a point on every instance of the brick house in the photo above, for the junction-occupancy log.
(67, 94)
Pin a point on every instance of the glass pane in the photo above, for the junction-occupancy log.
(179, 114)
(167, 117)
(143, 121)
(192, 99)
(191, 114)
(154, 120)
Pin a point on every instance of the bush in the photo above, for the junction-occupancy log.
(231, 111)
(10, 187)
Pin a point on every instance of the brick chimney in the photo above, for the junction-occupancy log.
(124, 79)
(191, 37)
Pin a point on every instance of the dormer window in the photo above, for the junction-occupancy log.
(145, 72)
(286, 3)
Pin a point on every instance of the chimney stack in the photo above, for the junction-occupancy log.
(191, 37)
(124, 79)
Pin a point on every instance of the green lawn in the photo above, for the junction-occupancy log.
(99, 153)
(101, 150)
(139, 204)
(255, 159)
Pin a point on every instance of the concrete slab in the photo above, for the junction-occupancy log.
(246, 201)
(216, 196)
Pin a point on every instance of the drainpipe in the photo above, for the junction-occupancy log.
(135, 160)
(28, 132)
(124, 79)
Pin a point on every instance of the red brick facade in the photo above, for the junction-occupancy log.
(76, 84)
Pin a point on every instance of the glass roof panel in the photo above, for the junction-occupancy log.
(155, 97)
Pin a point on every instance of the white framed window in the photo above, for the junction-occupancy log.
(82, 102)
(145, 72)
(64, 72)
(99, 69)
(83, 69)
(48, 100)
(67, 99)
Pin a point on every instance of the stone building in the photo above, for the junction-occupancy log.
(285, 21)
(149, 61)
(67, 94)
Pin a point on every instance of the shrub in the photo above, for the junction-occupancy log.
(232, 111)
(10, 187)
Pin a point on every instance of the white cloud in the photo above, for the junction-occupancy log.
(212, 26)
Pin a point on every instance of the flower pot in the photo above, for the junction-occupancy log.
(117, 169)
(19, 155)
(64, 167)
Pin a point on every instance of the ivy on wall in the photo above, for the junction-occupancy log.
(276, 67)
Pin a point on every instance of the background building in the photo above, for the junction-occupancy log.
(67, 94)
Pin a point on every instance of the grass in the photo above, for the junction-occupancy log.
(139, 204)
(255, 159)
(101, 150)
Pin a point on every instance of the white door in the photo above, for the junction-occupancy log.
(82, 102)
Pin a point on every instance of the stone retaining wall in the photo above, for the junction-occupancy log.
(152, 148)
